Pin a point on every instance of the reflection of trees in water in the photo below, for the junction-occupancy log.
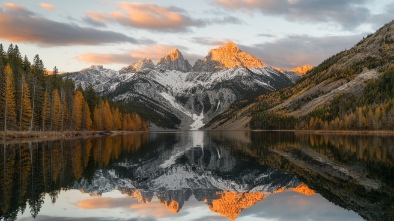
(311, 157)
(368, 148)
(30, 170)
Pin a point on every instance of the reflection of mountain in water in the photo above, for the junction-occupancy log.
(228, 171)
(223, 178)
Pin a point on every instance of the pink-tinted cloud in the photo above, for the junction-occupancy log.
(148, 16)
(13, 6)
(154, 52)
(47, 6)
(154, 209)
(21, 25)
(92, 58)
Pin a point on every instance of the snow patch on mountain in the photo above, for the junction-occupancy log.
(198, 121)
(175, 104)
(174, 92)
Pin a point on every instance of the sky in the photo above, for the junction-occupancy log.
(72, 205)
(73, 35)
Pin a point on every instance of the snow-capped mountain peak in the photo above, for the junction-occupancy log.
(173, 60)
(226, 57)
(172, 95)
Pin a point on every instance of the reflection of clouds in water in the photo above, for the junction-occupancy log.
(53, 218)
(192, 209)
(198, 138)
(290, 206)
(152, 209)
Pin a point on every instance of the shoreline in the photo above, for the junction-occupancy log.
(328, 132)
(7, 136)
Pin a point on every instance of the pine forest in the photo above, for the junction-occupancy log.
(34, 100)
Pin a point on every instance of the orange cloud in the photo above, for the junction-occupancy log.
(47, 6)
(13, 6)
(148, 16)
(96, 203)
(147, 209)
(153, 52)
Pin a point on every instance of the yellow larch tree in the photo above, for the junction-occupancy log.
(7, 101)
(117, 118)
(77, 110)
(86, 118)
(46, 111)
(57, 110)
(26, 110)
(107, 115)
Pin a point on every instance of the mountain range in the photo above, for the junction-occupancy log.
(175, 94)
(347, 91)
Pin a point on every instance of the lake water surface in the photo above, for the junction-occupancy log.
(199, 175)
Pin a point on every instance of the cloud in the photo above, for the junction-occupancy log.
(152, 209)
(62, 218)
(92, 58)
(93, 22)
(225, 20)
(13, 6)
(378, 20)
(149, 16)
(47, 6)
(154, 52)
(288, 206)
(267, 35)
(154, 17)
(296, 50)
(349, 14)
(21, 25)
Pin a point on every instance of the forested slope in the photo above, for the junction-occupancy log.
(32, 100)
(351, 90)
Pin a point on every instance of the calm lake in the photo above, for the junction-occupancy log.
(199, 175)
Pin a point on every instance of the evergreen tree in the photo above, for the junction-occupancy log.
(46, 111)
(7, 102)
(26, 112)
(117, 119)
(57, 111)
(108, 118)
(77, 110)
(98, 117)
(2, 63)
(86, 119)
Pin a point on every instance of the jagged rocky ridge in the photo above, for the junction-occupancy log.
(212, 173)
(348, 73)
(174, 94)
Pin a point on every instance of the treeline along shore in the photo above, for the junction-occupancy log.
(32, 100)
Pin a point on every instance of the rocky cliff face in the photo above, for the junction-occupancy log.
(170, 95)
(225, 57)
(302, 69)
(138, 66)
(173, 60)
